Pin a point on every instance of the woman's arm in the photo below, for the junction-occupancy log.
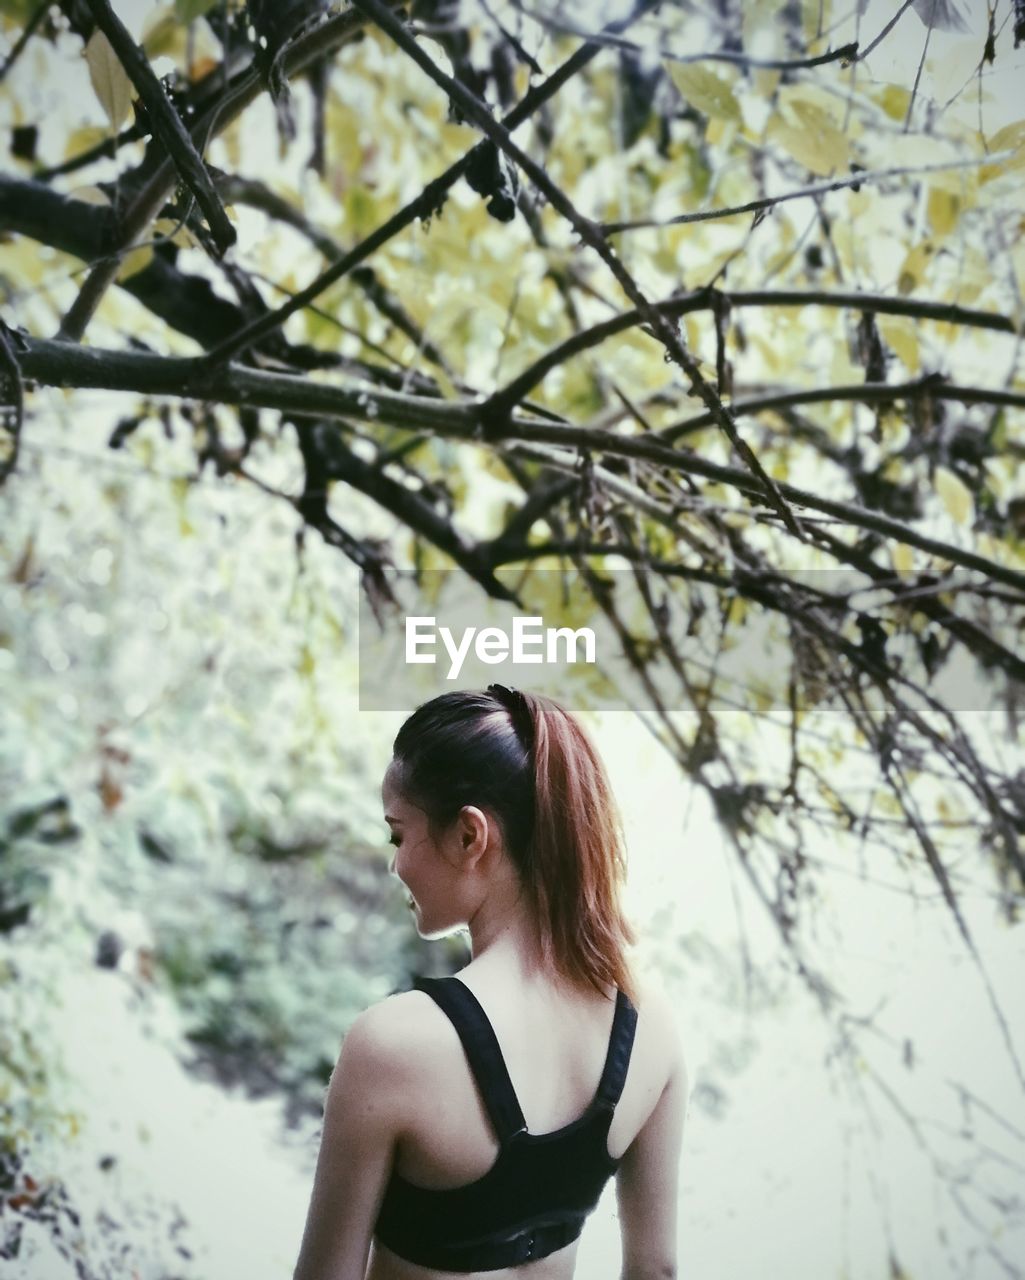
(363, 1117)
(647, 1182)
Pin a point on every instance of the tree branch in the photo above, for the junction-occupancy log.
(843, 53)
(820, 188)
(12, 399)
(29, 30)
(428, 202)
(930, 385)
(704, 299)
(71, 365)
(188, 303)
(150, 199)
(591, 235)
(166, 123)
(339, 462)
(257, 195)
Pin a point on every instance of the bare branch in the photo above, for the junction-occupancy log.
(339, 462)
(820, 188)
(147, 204)
(560, 25)
(886, 30)
(28, 31)
(258, 195)
(591, 235)
(929, 384)
(67, 364)
(12, 399)
(703, 299)
(426, 203)
(166, 123)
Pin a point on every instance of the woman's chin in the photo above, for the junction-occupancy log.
(434, 932)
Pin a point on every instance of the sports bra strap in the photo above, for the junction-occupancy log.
(613, 1076)
(482, 1051)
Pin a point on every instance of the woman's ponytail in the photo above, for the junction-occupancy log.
(577, 859)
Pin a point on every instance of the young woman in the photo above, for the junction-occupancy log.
(471, 1123)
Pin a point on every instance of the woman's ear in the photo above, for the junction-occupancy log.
(475, 832)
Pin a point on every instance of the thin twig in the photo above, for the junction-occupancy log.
(820, 188)
(428, 202)
(13, 404)
(928, 386)
(886, 30)
(147, 205)
(918, 77)
(493, 410)
(703, 299)
(28, 32)
(166, 123)
(844, 53)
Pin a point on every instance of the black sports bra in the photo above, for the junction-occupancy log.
(535, 1197)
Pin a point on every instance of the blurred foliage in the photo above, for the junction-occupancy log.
(184, 804)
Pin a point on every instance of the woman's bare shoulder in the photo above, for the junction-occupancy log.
(406, 1024)
(659, 1015)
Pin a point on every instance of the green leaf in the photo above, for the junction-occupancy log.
(109, 79)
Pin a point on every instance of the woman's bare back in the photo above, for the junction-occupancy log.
(554, 1044)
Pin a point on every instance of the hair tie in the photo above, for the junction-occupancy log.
(516, 704)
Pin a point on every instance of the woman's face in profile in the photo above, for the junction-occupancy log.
(418, 862)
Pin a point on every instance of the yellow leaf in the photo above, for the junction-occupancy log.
(955, 495)
(178, 233)
(84, 139)
(765, 81)
(202, 67)
(89, 195)
(720, 132)
(135, 260)
(814, 13)
(813, 140)
(190, 10)
(163, 34)
(943, 209)
(109, 79)
(710, 93)
(888, 803)
(894, 99)
(841, 368)
(903, 558)
(913, 267)
(901, 333)
(1010, 138)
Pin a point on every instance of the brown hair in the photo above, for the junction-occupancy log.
(529, 761)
